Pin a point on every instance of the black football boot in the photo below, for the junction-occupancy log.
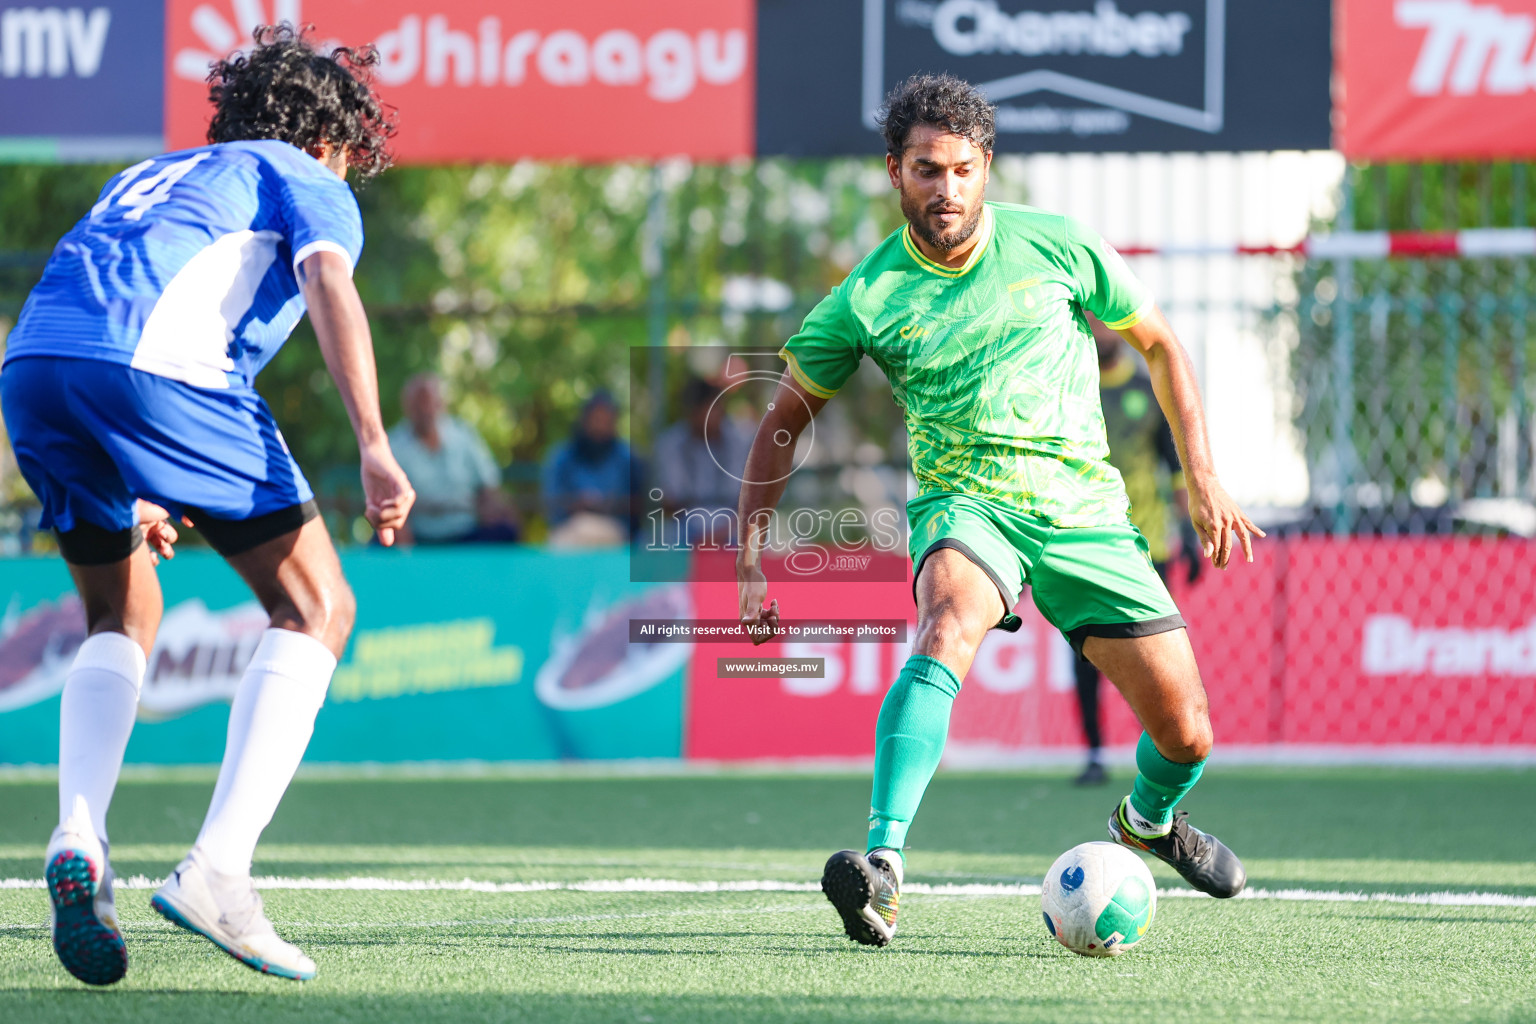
(865, 891)
(1203, 860)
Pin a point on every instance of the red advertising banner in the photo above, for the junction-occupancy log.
(1359, 643)
(493, 80)
(1435, 79)
(1422, 641)
(756, 719)
(1019, 695)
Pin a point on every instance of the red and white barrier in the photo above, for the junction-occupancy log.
(1472, 243)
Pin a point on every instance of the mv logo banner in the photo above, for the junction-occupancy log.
(80, 80)
(1066, 75)
(1437, 79)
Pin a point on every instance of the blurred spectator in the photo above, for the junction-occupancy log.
(592, 482)
(458, 493)
(699, 461)
(1141, 447)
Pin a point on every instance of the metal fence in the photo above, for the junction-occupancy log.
(1411, 374)
(1362, 333)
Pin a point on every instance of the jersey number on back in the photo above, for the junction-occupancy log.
(150, 192)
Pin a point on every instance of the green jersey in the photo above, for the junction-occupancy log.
(992, 363)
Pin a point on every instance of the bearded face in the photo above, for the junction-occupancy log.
(943, 182)
(946, 224)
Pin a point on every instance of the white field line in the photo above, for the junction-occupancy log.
(483, 922)
(498, 922)
(668, 885)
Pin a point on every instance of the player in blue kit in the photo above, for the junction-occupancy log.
(128, 385)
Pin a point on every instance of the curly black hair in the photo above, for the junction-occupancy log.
(285, 89)
(943, 101)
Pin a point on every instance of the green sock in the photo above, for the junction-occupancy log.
(1160, 783)
(909, 740)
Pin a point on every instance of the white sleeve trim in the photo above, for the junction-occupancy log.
(321, 246)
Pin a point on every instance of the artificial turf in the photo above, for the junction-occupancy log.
(772, 956)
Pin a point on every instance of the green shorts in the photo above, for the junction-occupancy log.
(1086, 581)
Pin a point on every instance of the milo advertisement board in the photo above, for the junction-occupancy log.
(470, 653)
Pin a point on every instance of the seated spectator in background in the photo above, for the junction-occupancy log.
(458, 485)
(591, 481)
(699, 462)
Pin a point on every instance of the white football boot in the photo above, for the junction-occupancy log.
(226, 909)
(82, 915)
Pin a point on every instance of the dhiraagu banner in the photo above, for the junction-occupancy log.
(467, 653)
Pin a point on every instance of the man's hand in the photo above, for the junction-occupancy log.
(1215, 515)
(159, 534)
(342, 330)
(1220, 522)
(752, 588)
(769, 465)
(388, 493)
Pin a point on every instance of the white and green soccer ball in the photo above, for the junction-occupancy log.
(1098, 899)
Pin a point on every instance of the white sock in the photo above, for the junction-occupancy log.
(270, 723)
(101, 699)
(1144, 826)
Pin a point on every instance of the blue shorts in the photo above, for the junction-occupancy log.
(91, 436)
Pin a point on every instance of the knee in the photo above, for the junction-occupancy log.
(343, 613)
(949, 638)
(326, 613)
(1187, 740)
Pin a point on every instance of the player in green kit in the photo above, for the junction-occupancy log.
(975, 312)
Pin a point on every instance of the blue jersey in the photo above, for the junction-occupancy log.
(186, 266)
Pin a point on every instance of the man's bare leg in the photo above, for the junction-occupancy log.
(123, 606)
(1160, 680)
(96, 715)
(297, 577)
(956, 604)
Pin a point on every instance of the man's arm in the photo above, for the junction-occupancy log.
(1215, 515)
(769, 464)
(342, 327)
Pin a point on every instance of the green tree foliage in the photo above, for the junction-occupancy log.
(40, 203)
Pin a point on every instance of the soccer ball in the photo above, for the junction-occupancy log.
(1098, 899)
